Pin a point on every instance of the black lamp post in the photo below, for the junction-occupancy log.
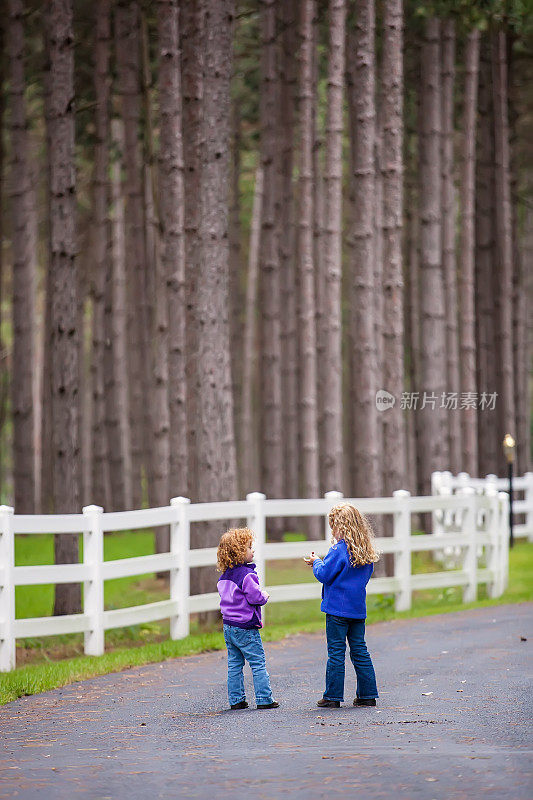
(509, 450)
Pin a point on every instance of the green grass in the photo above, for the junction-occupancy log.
(38, 601)
(283, 619)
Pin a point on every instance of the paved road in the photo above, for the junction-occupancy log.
(452, 722)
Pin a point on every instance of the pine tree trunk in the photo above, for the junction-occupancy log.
(379, 296)
(270, 347)
(488, 445)
(118, 404)
(449, 266)
(64, 318)
(86, 421)
(250, 461)
(524, 428)
(412, 322)
(307, 319)
(112, 423)
(235, 275)
(520, 289)
(24, 241)
(394, 465)
(433, 444)
(217, 472)
(4, 372)
(128, 78)
(191, 19)
(366, 473)
(469, 460)
(319, 269)
(46, 503)
(332, 457)
(171, 205)
(504, 242)
(155, 335)
(101, 266)
(287, 250)
(319, 252)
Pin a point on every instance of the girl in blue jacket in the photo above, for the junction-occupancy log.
(344, 574)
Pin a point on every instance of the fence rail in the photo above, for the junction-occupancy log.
(477, 523)
(446, 484)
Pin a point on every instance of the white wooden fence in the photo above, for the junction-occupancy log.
(445, 483)
(480, 521)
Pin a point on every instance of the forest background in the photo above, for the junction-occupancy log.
(227, 226)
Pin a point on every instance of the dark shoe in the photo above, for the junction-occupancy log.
(360, 702)
(238, 706)
(329, 703)
(273, 704)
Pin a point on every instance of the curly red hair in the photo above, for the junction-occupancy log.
(232, 548)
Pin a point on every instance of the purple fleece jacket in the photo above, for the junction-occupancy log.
(241, 597)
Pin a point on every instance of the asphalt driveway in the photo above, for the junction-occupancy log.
(453, 721)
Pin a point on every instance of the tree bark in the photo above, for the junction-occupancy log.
(118, 403)
(158, 261)
(216, 442)
(64, 285)
(394, 465)
(287, 249)
(249, 442)
(235, 277)
(308, 369)
(523, 426)
(192, 16)
(469, 460)
(128, 78)
(332, 458)
(488, 446)
(270, 392)
(520, 288)
(504, 241)
(4, 372)
(85, 322)
(24, 242)
(172, 204)
(101, 265)
(366, 474)
(155, 333)
(433, 444)
(449, 266)
(412, 321)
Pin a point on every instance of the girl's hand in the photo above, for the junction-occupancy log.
(309, 560)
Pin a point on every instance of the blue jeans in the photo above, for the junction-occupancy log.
(338, 629)
(246, 645)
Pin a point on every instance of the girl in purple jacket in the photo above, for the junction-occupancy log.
(241, 599)
(344, 574)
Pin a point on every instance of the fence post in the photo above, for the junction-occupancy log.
(504, 534)
(93, 588)
(180, 542)
(491, 480)
(256, 523)
(436, 516)
(7, 590)
(402, 557)
(528, 497)
(494, 549)
(462, 484)
(470, 555)
(333, 498)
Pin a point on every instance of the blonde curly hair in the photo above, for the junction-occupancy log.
(232, 548)
(349, 524)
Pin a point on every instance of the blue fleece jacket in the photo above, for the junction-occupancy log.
(344, 586)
